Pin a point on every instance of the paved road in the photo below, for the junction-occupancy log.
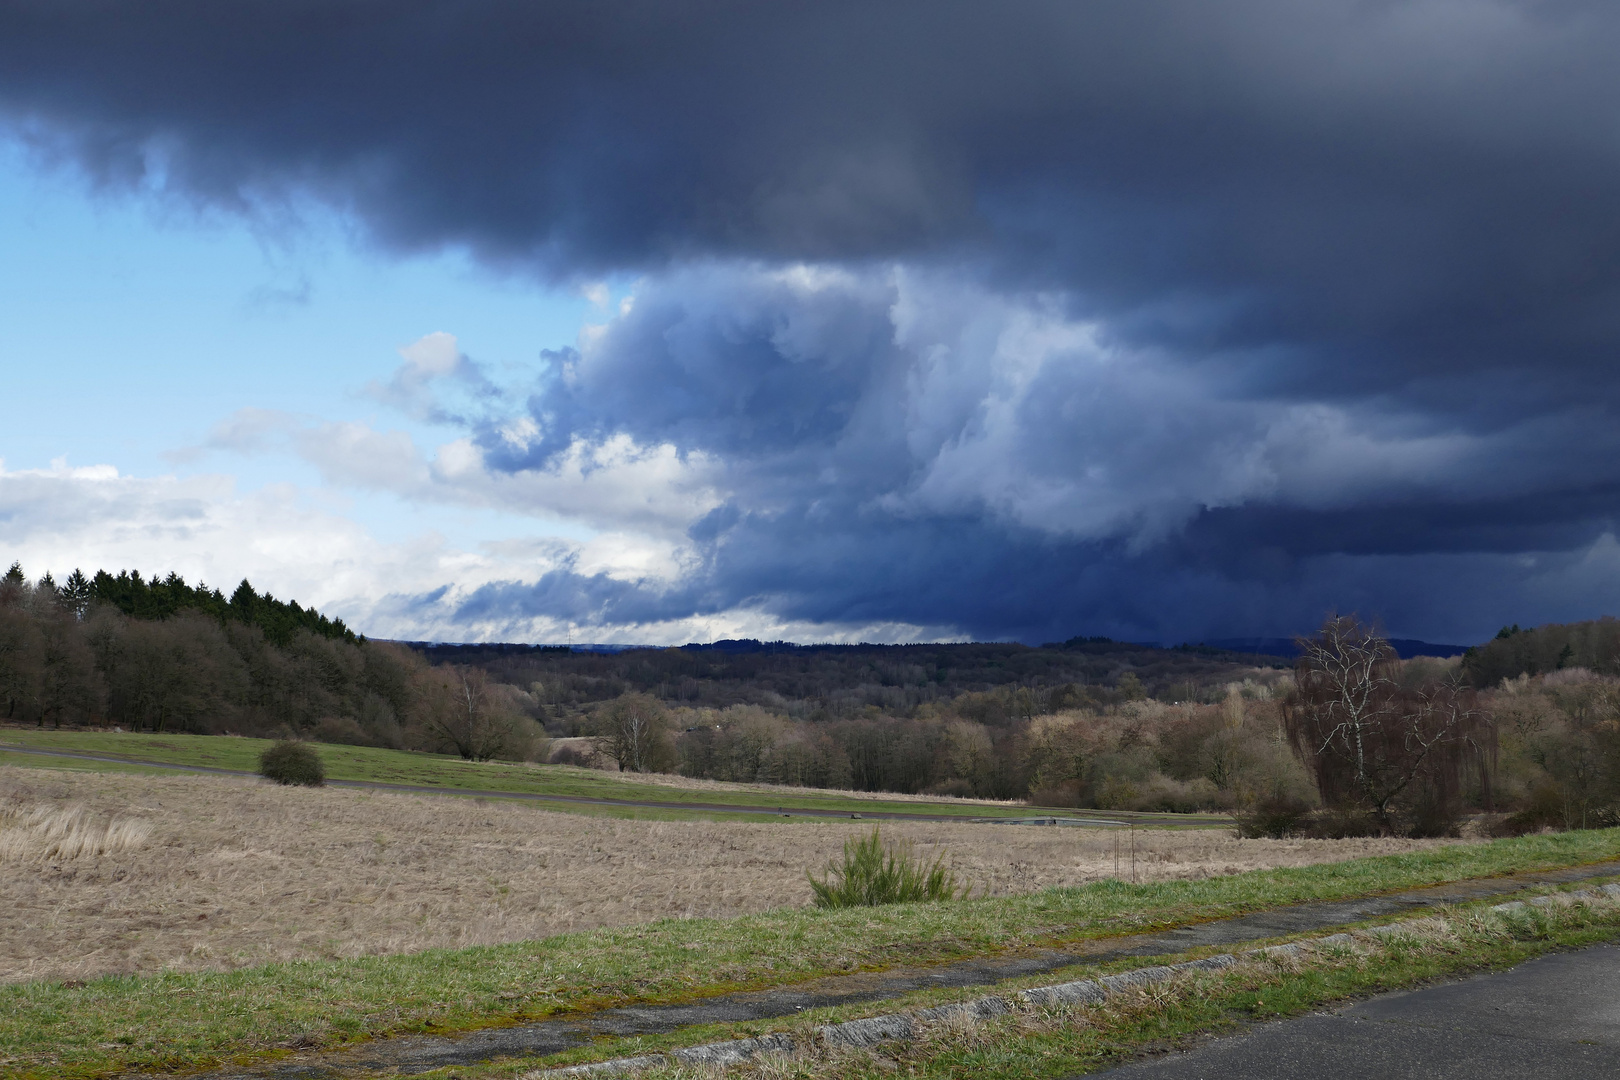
(1554, 1018)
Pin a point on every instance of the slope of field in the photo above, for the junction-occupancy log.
(665, 796)
(233, 872)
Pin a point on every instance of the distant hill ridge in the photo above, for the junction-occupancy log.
(753, 646)
(1405, 648)
(1284, 648)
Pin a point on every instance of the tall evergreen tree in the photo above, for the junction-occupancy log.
(77, 593)
(12, 585)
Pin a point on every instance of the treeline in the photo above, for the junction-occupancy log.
(1554, 699)
(1084, 722)
(1137, 754)
(1353, 741)
(1559, 756)
(1593, 646)
(830, 682)
(1142, 754)
(160, 655)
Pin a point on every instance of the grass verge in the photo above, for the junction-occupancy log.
(1063, 1040)
(194, 1019)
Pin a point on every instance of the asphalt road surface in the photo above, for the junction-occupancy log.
(1556, 1016)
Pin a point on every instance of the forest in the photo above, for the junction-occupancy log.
(158, 654)
(1521, 732)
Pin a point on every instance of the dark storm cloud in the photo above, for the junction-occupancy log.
(911, 447)
(1323, 287)
(1385, 162)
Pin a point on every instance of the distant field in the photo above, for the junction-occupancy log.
(235, 872)
(452, 774)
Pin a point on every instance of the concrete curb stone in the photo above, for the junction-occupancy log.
(729, 1053)
(616, 1067)
(868, 1032)
(982, 1009)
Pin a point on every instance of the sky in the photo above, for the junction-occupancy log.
(651, 322)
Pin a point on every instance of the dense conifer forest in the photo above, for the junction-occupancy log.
(162, 655)
(154, 599)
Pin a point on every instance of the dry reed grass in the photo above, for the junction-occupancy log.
(239, 871)
(65, 833)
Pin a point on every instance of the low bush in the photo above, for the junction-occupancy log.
(876, 873)
(1345, 823)
(1280, 816)
(1274, 816)
(573, 753)
(343, 731)
(292, 763)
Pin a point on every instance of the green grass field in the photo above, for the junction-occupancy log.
(187, 1020)
(450, 774)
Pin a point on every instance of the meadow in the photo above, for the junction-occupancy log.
(662, 792)
(198, 873)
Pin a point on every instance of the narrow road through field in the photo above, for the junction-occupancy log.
(1553, 1018)
(421, 1052)
(1036, 814)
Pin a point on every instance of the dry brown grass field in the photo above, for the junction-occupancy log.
(104, 873)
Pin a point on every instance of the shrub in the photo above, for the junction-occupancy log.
(1275, 816)
(343, 730)
(876, 873)
(571, 752)
(292, 763)
(1343, 823)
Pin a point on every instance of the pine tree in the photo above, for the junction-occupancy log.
(11, 587)
(77, 593)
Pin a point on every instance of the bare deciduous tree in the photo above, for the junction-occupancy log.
(1397, 752)
(67, 684)
(467, 711)
(633, 729)
(968, 751)
(1345, 702)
